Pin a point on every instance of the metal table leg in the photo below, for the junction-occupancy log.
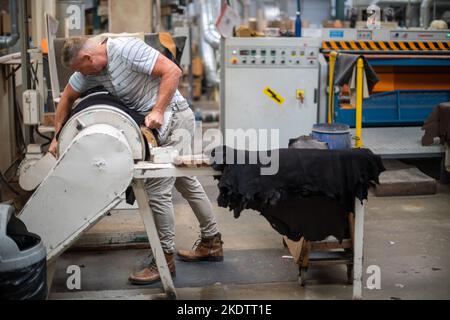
(358, 250)
(150, 227)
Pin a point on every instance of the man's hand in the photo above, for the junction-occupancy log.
(53, 148)
(154, 119)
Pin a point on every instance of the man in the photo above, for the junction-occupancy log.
(145, 81)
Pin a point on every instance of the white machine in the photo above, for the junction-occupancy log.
(98, 148)
(88, 179)
(271, 83)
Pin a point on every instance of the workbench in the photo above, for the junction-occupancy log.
(145, 170)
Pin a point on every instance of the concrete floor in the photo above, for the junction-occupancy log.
(407, 237)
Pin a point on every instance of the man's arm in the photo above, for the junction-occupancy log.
(170, 76)
(68, 97)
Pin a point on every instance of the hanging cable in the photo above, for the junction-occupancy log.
(20, 140)
(49, 140)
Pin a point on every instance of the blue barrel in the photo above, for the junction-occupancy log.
(336, 135)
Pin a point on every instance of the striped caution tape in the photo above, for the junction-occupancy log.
(386, 45)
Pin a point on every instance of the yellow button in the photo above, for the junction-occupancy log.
(234, 60)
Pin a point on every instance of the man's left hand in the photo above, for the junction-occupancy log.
(154, 119)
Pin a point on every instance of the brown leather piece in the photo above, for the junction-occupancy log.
(437, 125)
(148, 134)
(167, 41)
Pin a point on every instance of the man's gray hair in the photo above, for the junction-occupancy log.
(72, 48)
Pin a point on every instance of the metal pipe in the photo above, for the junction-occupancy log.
(245, 4)
(333, 56)
(158, 16)
(359, 99)
(222, 82)
(210, 63)
(209, 31)
(209, 42)
(9, 41)
(25, 57)
(425, 13)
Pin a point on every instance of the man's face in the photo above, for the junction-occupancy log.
(86, 64)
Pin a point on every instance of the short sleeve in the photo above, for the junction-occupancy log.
(81, 83)
(140, 56)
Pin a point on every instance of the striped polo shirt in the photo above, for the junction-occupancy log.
(127, 75)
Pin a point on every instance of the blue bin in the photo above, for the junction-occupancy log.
(336, 135)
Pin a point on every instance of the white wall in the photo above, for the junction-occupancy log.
(313, 10)
(130, 16)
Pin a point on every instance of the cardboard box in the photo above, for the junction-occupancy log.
(253, 24)
(197, 67)
(5, 27)
(49, 119)
(243, 31)
(197, 89)
(6, 23)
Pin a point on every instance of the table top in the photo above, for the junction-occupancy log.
(145, 169)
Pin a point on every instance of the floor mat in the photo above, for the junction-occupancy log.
(109, 270)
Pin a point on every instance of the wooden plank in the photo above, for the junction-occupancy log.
(400, 179)
(295, 248)
(322, 246)
(329, 262)
(155, 243)
(306, 249)
(351, 223)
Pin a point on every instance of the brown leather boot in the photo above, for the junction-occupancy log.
(150, 274)
(204, 249)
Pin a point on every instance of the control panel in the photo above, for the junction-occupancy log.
(384, 35)
(419, 35)
(364, 35)
(267, 56)
(274, 83)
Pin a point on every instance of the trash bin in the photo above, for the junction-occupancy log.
(336, 135)
(23, 260)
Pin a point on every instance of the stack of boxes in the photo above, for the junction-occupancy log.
(197, 73)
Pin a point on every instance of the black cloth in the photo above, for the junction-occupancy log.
(437, 125)
(95, 97)
(345, 63)
(109, 100)
(314, 188)
(313, 217)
